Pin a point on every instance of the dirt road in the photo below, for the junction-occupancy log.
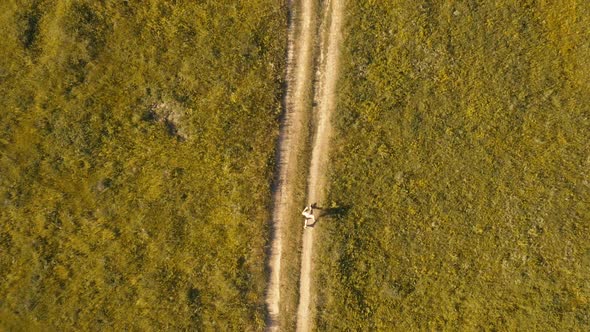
(326, 103)
(299, 77)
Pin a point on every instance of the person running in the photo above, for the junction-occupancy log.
(308, 214)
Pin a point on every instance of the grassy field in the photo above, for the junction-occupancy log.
(136, 146)
(460, 169)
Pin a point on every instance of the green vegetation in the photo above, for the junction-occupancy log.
(136, 155)
(460, 169)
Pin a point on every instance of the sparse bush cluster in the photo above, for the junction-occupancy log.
(462, 153)
(136, 146)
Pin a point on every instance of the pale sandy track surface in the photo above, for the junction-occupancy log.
(299, 76)
(326, 103)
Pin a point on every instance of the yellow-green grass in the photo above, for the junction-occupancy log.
(460, 170)
(136, 157)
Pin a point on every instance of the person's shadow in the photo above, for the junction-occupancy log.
(337, 212)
